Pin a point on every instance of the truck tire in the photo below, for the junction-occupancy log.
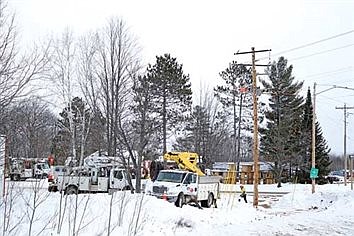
(126, 188)
(180, 200)
(16, 177)
(209, 202)
(71, 190)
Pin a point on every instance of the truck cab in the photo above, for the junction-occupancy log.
(119, 179)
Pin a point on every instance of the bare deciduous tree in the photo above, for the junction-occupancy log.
(33, 201)
(90, 88)
(117, 61)
(29, 124)
(63, 75)
(16, 70)
(11, 197)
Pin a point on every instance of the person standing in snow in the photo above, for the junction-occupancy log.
(243, 193)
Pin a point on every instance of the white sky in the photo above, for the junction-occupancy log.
(204, 35)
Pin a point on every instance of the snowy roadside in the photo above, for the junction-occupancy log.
(329, 210)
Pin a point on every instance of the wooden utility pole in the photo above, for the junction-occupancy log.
(255, 130)
(345, 108)
(255, 124)
(313, 153)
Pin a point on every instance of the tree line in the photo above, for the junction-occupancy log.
(108, 101)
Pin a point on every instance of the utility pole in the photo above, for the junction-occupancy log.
(255, 123)
(351, 170)
(313, 145)
(313, 153)
(345, 141)
(239, 136)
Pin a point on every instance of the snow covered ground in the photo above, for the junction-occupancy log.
(329, 211)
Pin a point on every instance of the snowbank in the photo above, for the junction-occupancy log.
(329, 210)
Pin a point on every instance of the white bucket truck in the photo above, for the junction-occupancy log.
(183, 187)
(22, 169)
(93, 180)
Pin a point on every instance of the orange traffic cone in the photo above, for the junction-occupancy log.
(164, 196)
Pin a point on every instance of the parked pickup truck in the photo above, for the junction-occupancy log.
(182, 187)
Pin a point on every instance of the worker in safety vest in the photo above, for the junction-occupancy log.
(243, 193)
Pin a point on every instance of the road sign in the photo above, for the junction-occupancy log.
(314, 173)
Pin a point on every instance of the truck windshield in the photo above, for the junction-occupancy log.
(45, 166)
(171, 177)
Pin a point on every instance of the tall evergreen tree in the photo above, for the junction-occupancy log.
(61, 143)
(143, 126)
(279, 140)
(322, 151)
(197, 134)
(233, 95)
(172, 93)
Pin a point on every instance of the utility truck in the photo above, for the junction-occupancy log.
(22, 169)
(94, 180)
(186, 185)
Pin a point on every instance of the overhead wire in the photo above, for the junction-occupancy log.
(329, 73)
(310, 44)
(344, 81)
(316, 42)
(322, 52)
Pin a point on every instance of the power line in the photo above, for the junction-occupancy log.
(328, 73)
(322, 52)
(309, 44)
(316, 42)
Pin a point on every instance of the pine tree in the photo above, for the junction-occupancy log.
(62, 140)
(280, 139)
(172, 94)
(143, 127)
(322, 154)
(322, 151)
(197, 134)
(233, 94)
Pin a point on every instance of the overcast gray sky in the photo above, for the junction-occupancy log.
(204, 35)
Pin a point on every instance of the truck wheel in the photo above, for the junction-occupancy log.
(16, 177)
(71, 190)
(180, 200)
(210, 200)
(126, 188)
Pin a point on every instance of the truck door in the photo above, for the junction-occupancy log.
(190, 184)
(103, 180)
(94, 177)
(118, 179)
